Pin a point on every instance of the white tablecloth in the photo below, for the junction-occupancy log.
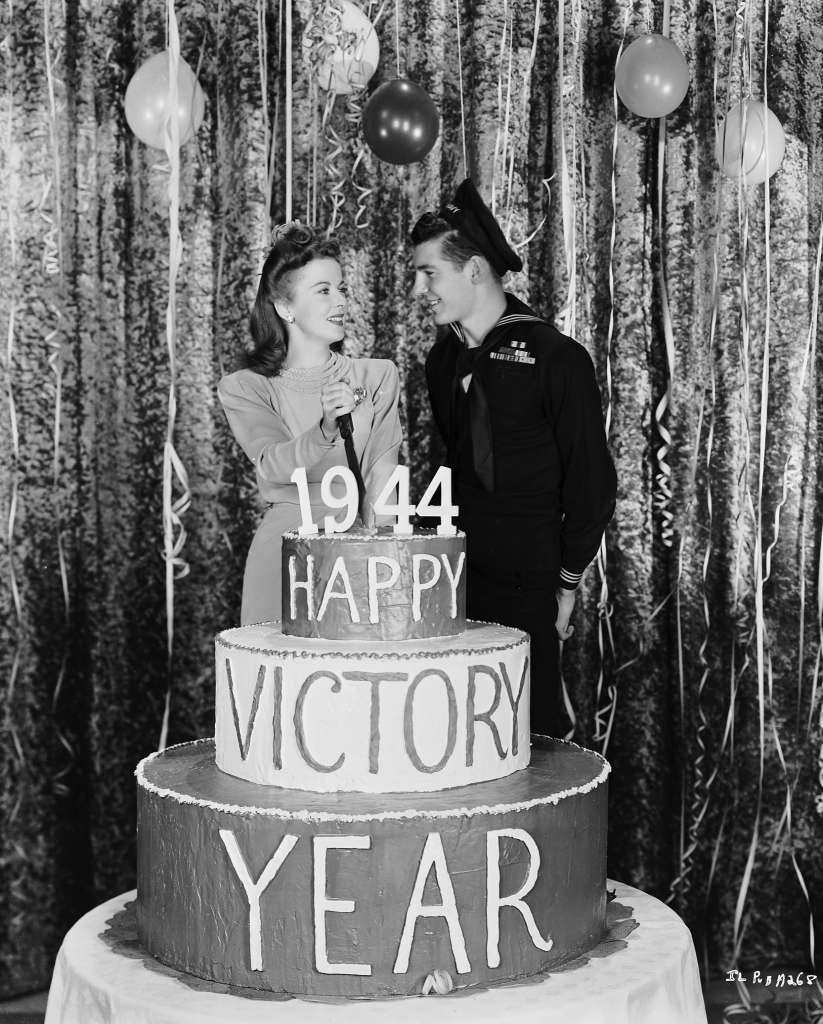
(654, 980)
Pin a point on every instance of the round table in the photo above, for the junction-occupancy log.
(653, 980)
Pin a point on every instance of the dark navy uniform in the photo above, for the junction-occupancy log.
(533, 477)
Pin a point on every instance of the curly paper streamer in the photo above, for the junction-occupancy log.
(174, 533)
(701, 790)
(354, 117)
(663, 478)
(546, 183)
(334, 174)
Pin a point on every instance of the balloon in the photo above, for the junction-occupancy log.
(748, 135)
(345, 43)
(147, 101)
(400, 122)
(652, 76)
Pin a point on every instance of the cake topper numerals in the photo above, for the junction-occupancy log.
(348, 500)
(385, 505)
(403, 508)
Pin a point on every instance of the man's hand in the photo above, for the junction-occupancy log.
(565, 607)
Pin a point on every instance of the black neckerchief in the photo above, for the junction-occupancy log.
(479, 416)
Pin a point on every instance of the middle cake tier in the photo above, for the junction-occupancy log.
(412, 716)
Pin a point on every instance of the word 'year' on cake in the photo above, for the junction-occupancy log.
(432, 860)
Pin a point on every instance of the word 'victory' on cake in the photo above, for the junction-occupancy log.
(372, 808)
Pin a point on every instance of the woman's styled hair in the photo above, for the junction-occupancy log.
(295, 245)
(454, 245)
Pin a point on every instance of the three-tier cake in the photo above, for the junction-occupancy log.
(371, 810)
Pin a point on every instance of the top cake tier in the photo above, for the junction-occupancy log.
(374, 586)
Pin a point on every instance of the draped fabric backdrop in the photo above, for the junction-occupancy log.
(695, 665)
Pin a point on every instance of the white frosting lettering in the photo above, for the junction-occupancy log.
(340, 571)
(514, 701)
(418, 584)
(307, 584)
(253, 889)
(324, 904)
(375, 584)
(454, 579)
(494, 901)
(433, 856)
(244, 742)
(299, 729)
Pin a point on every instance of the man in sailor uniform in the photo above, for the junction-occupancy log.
(518, 407)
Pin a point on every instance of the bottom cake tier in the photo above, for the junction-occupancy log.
(367, 895)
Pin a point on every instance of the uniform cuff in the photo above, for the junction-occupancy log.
(569, 580)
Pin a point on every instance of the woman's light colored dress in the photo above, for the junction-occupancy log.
(276, 421)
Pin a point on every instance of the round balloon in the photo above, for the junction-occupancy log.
(344, 42)
(652, 76)
(400, 122)
(147, 101)
(750, 142)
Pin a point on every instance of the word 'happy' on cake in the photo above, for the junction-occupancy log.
(383, 573)
(432, 863)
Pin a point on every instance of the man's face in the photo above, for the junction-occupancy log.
(443, 287)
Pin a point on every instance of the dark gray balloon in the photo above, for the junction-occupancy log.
(400, 122)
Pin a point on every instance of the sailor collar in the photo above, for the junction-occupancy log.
(510, 317)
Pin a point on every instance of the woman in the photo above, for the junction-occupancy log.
(283, 408)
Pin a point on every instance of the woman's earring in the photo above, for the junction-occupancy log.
(289, 319)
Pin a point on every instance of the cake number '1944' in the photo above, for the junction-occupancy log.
(385, 505)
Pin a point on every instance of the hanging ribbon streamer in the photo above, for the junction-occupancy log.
(397, 36)
(743, 219)
(14, 155)
(604, 710)
(53, 267)
(545, 182)
(663, 498)
(174, 534)
(567, 314)
(501, 135)
(525, 96)
(289, 140)
(269, 138)
(460, 84)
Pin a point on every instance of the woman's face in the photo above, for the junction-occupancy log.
(317, 300)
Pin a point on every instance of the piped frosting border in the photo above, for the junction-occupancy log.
(395, 648)
(281, 814)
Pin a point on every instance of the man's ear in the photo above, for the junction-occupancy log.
(475, 270)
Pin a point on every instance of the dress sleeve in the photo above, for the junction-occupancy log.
(261, 431)
(589, 483)
(383, 443)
